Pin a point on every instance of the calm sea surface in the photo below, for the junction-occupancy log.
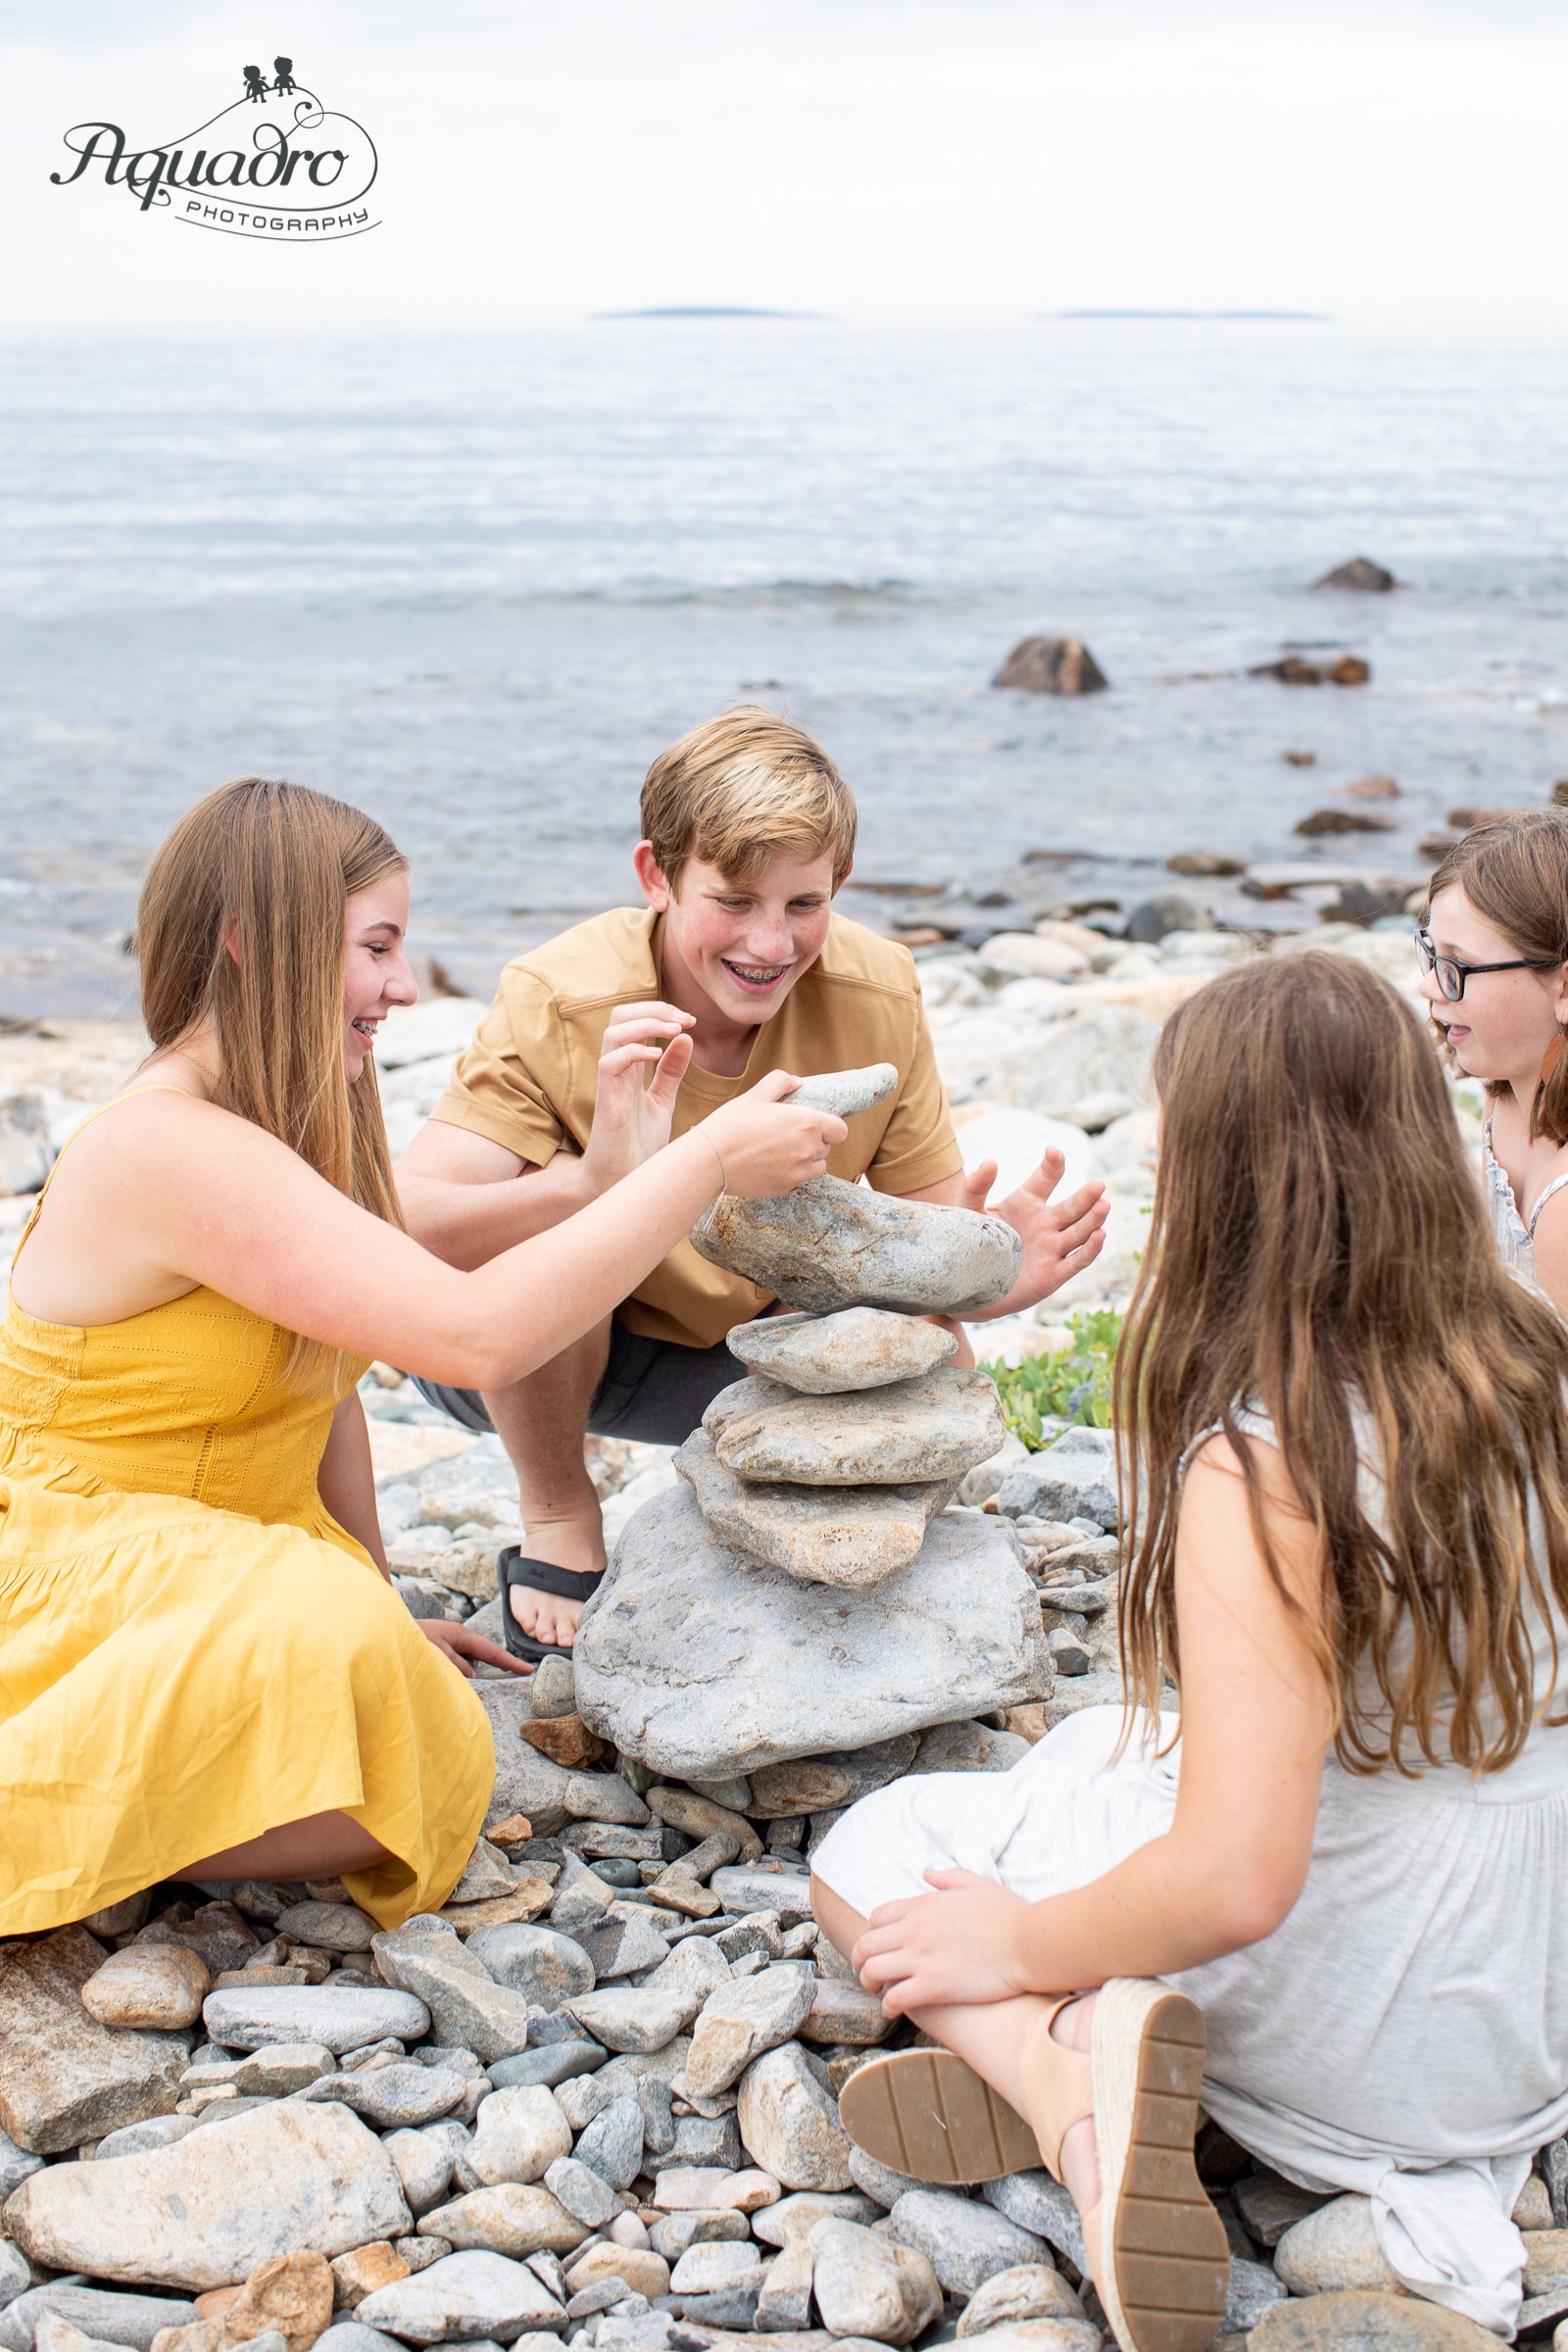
(476, 584)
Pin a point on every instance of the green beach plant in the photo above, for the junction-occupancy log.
(1073, 1385)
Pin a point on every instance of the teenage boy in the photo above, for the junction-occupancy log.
(735, 968)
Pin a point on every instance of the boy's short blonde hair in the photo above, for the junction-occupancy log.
(742, 787)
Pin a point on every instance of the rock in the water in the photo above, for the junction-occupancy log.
(690, 1659)
(845, 1536)
(831, 1244)
(964, 2241)
(739, 2021)
(65, 2078)
(1034, 2290)
(936, 1427)
(790, 2122)
(1361, 575)
(859, 1347)
(1335, 2247)
(1073, 1478)
(1350, 2322)
(104, 2318)
(463, 2298)
(846, 1092)
(541, 1964)
(195, 2215)
(512, 2220)
(867, 2285)
(1051, 665)
(153, 1988)
(338, 2017)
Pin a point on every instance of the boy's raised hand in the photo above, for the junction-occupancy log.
(1060, 1236)
(632, 1112)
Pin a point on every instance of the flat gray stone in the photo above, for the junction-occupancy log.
(468, 2009)
(1042, 2206)
(968, 1748)
(1352, 2320)
(400, 2097)
(1073, 1478)
(932, 1428)
(65, 2078)
(620, 1945)
(350, 2335)
(462, 2299)
(697, 1662)
(515, 2220)
(543, 1965)
(612, 2144)
(847, 1535)
(195, 2215)
(553, 2063)
(630, 2018)
(846, 1092)
(129, 2319)
(964, 2241)
(337, 2018)
(844, 2014)
(824, 1783)
(749, 1887)
(1033, 2290)
(831, 1245)
(330, 1926)
(587, 2197)
(859, 1347)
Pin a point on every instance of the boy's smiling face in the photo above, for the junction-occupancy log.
(742, 946)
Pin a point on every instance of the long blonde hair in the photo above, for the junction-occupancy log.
(240, 923)
(1319, 1249)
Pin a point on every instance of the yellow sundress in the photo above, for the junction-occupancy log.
(192, 1650)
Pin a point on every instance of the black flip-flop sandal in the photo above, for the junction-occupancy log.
(539, 1576)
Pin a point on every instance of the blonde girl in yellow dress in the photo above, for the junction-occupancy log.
(204, 1669)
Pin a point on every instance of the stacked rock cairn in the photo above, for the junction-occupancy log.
(594, 2101)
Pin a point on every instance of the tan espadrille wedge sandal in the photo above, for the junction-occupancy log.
(1156, 2247)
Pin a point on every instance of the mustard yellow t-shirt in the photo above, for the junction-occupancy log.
(528, 1079)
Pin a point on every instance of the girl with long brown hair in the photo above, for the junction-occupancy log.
(1343, 1845)
(1494, 953)
(202, 1672)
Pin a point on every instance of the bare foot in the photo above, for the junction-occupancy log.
(565, 1544)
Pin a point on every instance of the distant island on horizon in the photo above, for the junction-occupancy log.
(1317, 318)
(705, 309)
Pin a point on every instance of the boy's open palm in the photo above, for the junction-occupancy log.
(632, 1112)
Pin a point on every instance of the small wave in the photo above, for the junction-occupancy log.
(728, 594)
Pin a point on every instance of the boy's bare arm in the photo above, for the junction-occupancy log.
(467, 1199)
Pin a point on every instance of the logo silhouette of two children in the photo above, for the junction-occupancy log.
(256, 86)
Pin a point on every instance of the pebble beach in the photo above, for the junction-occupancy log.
(594, 2101)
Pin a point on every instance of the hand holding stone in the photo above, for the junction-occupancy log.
(768, 1142)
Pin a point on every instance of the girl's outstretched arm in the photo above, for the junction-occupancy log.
(1254, 1721)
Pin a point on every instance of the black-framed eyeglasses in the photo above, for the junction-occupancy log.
(1452, 975)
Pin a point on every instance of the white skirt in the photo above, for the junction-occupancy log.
(1404, 2035)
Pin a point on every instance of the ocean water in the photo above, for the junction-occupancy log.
(477, 585)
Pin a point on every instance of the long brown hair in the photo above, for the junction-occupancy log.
(1319, 1251)
(1514, 872)
(240, 923)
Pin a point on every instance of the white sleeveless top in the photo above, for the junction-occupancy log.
(1515, 1240)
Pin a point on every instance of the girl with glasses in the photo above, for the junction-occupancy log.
(1494, 956)
(1331, 1839)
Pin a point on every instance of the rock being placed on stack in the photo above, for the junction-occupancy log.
(830, 1466)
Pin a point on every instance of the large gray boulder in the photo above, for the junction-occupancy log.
(703, 1663)
(937, 1426)
(859, 1347)
(846, 1535)
(831, 1244)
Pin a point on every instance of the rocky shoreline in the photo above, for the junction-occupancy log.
(594, 2101)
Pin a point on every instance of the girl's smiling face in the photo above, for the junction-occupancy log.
(375, 969)
(1500, 1028)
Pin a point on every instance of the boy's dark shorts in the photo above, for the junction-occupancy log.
(653, 1389)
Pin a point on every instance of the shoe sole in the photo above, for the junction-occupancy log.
(1163, 2273)
(926, 2114)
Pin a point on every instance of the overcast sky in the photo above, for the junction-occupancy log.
(1398, 162)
